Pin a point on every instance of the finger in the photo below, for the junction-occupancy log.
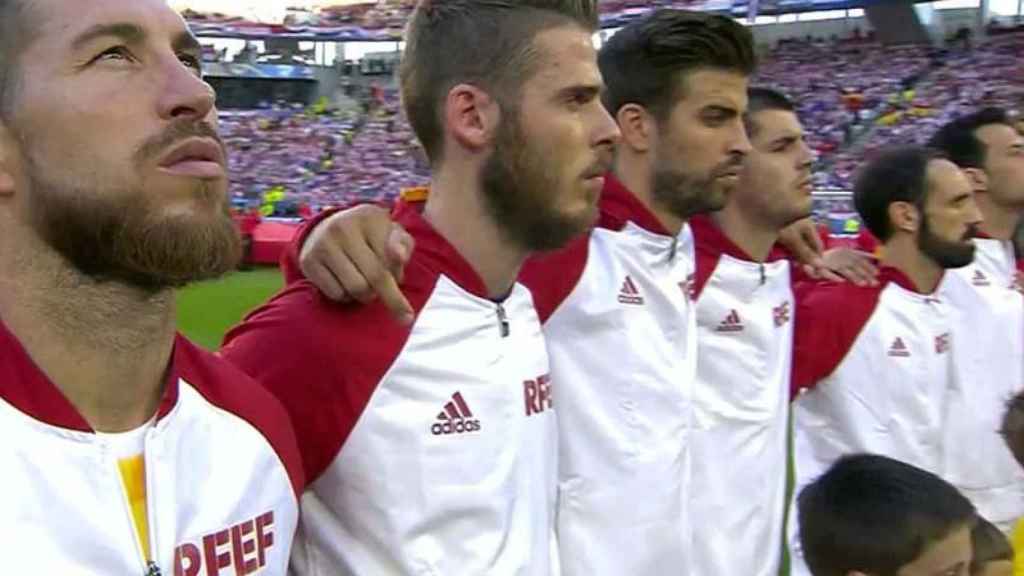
(811, 271)
(853, 274)
(401, 244)
(831, 276)
(867, 272)
(868, 265)
(311, 250)
(373, 268)
(805, 254)
(810, 234)
(350, 275)
(326, 282)
(391, 295)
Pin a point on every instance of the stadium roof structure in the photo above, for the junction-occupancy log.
(384, 21)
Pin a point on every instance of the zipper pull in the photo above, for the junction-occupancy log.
(152, 569)
(672, 252)
(764, 278)
(503, 322)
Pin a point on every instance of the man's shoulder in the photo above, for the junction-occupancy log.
(301, 321)
(838, 298)
(840, 308)
(231, 390)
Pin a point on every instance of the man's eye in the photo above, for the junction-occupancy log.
(190, 60)
(114, 53)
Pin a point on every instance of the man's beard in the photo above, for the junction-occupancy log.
(685, 195)
(119, 235)
(943, 252)
(521, 188)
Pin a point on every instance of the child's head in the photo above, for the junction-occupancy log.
(993, 555)
(875, 516)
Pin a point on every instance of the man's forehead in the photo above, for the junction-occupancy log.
(947, 176)
(63, 21)
(566, 58)
(710, 84)
(999, 135)
(776, 123)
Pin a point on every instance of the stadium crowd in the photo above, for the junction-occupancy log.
(854, 96)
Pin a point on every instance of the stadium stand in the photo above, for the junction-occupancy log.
(855, 97)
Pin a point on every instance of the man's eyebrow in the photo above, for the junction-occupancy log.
(130, 33)
(133, 34)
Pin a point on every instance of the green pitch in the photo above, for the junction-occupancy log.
(207, 310)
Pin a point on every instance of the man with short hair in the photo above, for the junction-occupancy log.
(991, 355)
(877, 364)
(620, 321)
(616, 305)
(431, 446)
(871, 514)
(745, 310)
(132, 451)
(991, 152)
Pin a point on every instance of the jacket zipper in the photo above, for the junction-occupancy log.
(503, 324)
(152, 568)
(148, 566)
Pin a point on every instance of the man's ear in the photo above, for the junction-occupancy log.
(639, 128)
(471, 116)
(905, 216)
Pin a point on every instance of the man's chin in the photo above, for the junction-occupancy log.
(189, 194)
(717, 199)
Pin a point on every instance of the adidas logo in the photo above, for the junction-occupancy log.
(455, 418)
(942, 343)
(980, 279)
(899, 349)
(732, 323)
(628, 294)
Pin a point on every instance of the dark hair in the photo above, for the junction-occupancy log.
(488, 43)
(959, 141)
(873, 514)
(990, 545)
(761, 99)
(895, 175)
(1013, 427)
(646, 61)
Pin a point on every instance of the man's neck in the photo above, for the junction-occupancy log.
(106, 346)
(749, 234)
(635, 174)
(904, 255)
(455, 208)
(998, 222)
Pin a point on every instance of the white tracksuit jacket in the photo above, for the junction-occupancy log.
(222, 473)
(430, 449)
